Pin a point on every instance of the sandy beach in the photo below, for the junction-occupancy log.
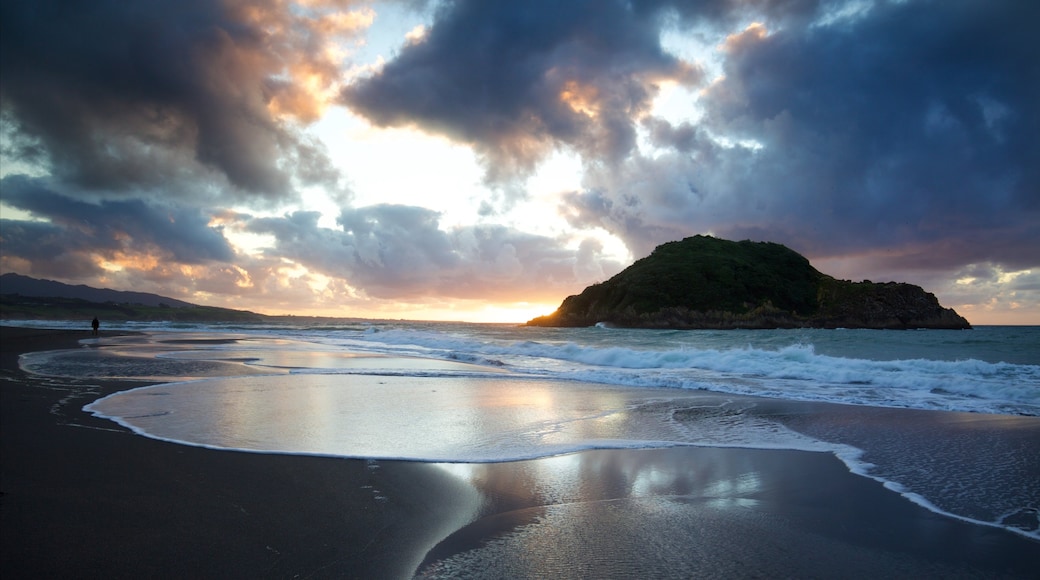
(83, 497)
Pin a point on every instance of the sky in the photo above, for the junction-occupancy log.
(480, 161)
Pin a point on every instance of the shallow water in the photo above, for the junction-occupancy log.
(456, 393)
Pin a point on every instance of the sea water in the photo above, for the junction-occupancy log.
(989, 369)
(445, 392)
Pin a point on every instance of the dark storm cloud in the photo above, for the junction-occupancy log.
(123, 96)
(838, 127)
(910, 127)
(131, 227)
(516, 79)
(43, 249)
(394, 251)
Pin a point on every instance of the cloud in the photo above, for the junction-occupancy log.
(377, 253)
(835, 128)
(989, 288)
(399, 252)
(518, 79)
(78, 235)
(129, 96)
(906, 130)
(889, 140)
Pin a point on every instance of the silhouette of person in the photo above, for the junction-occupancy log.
(95, 324)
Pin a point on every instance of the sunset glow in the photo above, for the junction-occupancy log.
(461, 161)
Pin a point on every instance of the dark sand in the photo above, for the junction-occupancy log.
(83, 497)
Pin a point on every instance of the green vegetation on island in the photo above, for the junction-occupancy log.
(711, 283)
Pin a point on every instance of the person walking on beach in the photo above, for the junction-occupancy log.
(95, 324)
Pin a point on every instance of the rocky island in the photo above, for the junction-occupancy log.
(705, 282)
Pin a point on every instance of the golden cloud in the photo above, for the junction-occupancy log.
(755, 32)
(582, 99)
(302, 52)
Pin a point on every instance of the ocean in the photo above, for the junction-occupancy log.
(948, 419)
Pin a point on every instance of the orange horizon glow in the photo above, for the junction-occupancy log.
(519, 313)
(487, 314)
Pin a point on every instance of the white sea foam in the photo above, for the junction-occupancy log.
(794, 371)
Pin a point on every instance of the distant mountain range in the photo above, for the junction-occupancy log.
(26, 286)
(25, 298)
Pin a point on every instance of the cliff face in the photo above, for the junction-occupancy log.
(706, 282)
(889, 305)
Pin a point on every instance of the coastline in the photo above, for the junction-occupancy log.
(83, 497)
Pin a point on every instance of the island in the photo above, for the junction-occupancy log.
(704, 282)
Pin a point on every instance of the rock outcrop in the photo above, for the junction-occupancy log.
(709, 283)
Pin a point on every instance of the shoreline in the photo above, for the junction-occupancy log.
(83, 497)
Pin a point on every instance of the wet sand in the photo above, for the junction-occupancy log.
(83, 497)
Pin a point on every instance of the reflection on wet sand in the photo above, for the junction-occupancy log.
(690, 512)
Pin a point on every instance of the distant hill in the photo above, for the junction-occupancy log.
(707, 282)
(22, 297)
(26, 286)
